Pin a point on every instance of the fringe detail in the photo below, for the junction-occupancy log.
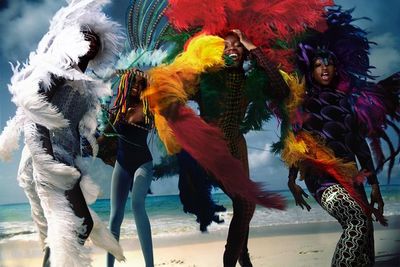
(207, 146)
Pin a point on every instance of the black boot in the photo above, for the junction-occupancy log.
(244, 259)
(46, 259)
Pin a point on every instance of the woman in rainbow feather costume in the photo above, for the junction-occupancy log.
(329, 115)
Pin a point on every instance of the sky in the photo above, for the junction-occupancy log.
(23, 23)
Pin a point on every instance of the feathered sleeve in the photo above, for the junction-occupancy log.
(377, 107)
(278, 88)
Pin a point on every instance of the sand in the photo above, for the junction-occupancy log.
(299, 245)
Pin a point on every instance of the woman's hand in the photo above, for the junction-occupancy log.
(376, 198)
(298, 194)
(243, 39)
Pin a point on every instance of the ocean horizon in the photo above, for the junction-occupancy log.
(168, 219)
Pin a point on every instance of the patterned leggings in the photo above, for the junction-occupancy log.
(243, 210)
(356, 244)
(236, 244)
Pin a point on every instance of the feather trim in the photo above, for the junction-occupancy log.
(88, 124)
(26, 181)
(304, 151)
(141, 58)
(207, 146)
(99, 235)
(297, 92)
(50, 172)
(9, 138)
(86, 14)
(103, 238)
(63, 229)
(178, 81)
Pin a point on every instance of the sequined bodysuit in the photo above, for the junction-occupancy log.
(330, 118)
(72, 102)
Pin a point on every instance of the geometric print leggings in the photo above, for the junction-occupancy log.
(356, 244)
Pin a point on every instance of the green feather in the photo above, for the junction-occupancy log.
(212, 90)
(257, 111)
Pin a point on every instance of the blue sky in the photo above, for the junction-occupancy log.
(23, 22)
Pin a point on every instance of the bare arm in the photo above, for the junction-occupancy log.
(278, 87)
(296, 190)
(364, 157)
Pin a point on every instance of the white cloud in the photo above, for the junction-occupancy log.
(385, 57)
(258, 158)
(23, 24)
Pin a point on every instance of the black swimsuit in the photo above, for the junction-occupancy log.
(132, 147)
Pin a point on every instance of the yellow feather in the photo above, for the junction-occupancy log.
(297, 91)
(304, 148)
(178, 81)
(294, 150)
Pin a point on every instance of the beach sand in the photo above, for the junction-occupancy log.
(297, 245)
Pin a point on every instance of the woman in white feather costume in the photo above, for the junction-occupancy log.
(57, 104)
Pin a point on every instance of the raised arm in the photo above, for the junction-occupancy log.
(278, 87)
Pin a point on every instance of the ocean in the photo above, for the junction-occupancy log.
(167, 217)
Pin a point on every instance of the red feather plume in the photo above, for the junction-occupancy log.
(206, 144)
(263, 22)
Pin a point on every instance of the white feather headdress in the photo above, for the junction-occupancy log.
(65, 35)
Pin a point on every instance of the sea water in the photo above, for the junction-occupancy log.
(167, 216)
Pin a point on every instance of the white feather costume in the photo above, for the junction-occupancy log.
(43, 178)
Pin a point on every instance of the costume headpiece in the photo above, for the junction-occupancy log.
(342, 41)
(376, 105)
(265, 23)
(65, 40)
